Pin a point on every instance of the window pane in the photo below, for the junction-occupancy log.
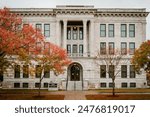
(37, 85)
(111, 71)
(75, 33)
(131, 47)
(45, 85)
(103, 85)
(124, 85)
(81, 33)
(47, 30)
(16, 85)
(111, 48)
(68, 48)
(25, 71)
(132, 71)
(123, 48)
(75, 49)
(124, 71)
(17, 71)
(131, 30)
(103, 71)
(39, 27)
(133, 85)
(80, 50)
(68, 33)
(38, 71)
(103, 30)
(102, 48)
(111, 30)
(46, 71)
(25, 85)
(123, 30)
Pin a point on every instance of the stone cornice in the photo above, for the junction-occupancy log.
(45, 12)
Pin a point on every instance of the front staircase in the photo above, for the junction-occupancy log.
(74, 86)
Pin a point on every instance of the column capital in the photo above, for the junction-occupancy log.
(65, 20)
(84, 20)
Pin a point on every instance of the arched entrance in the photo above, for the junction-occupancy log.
(74, 76)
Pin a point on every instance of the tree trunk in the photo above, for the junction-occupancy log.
(39, 91)
(113, 91)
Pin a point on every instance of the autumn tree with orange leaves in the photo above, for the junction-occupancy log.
(27, 45)
(141, 58)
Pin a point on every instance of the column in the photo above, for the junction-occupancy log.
(85, 37)
(58, 37)
(91, 39)
(65, 33)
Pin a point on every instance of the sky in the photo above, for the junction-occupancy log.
(96, 3)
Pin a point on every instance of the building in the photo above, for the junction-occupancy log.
(82, 31)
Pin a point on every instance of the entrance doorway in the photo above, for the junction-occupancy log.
(75, 73)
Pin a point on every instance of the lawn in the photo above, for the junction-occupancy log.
(29, 94)
(119, 97)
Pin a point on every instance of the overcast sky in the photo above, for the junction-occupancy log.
(96, 3)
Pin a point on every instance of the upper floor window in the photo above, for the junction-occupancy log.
(123, 48)
(111, 71)
(111, 30)
(103, 48)
(131, 30)
(81, 33)
(47, 30)
(38, 71)
(68, 48)
(75, 33)
(103, 30)
(131, 47)
(17, 71)
(75, 49)
(39, 27)
(69, 33)
(111, 48)
(123, 30)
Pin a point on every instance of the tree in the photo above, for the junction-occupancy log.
(141, 58)
(14, 40)
(112, 59)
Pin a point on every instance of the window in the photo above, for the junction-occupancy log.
(103, 71)
(69, 33)
(103, 30)
(132, 71)
(1, 76)
(39, 27)
(25, 85)
(103, 85)
(131, 30)
(37, 85)
(75, 33)
(132, 85)
(38, 71)
(124, 85)
(81, 33)
(25, 71)
(111, 30)
(16, 85)
(111, 85)
(111, 71)
(47, 30)
(46, 71)
(75, 49)
(123, 30)
(103, 48)
(80, 50)
(45, 85)
(17, 71)
(123, 48)
(131, 48)
(123, 71)
(39, 47)
(68, 48)
(111, 48)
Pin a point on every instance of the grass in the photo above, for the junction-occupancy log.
(28, 94)
(119, 97)
(146, 90)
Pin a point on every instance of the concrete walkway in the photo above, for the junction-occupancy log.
(75, 95)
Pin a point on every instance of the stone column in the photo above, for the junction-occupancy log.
(65, 33)
(85, 37)
(91, 39)
(58, 33)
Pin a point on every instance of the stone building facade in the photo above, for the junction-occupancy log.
(82, 31)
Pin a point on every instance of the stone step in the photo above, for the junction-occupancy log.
(74, 85)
